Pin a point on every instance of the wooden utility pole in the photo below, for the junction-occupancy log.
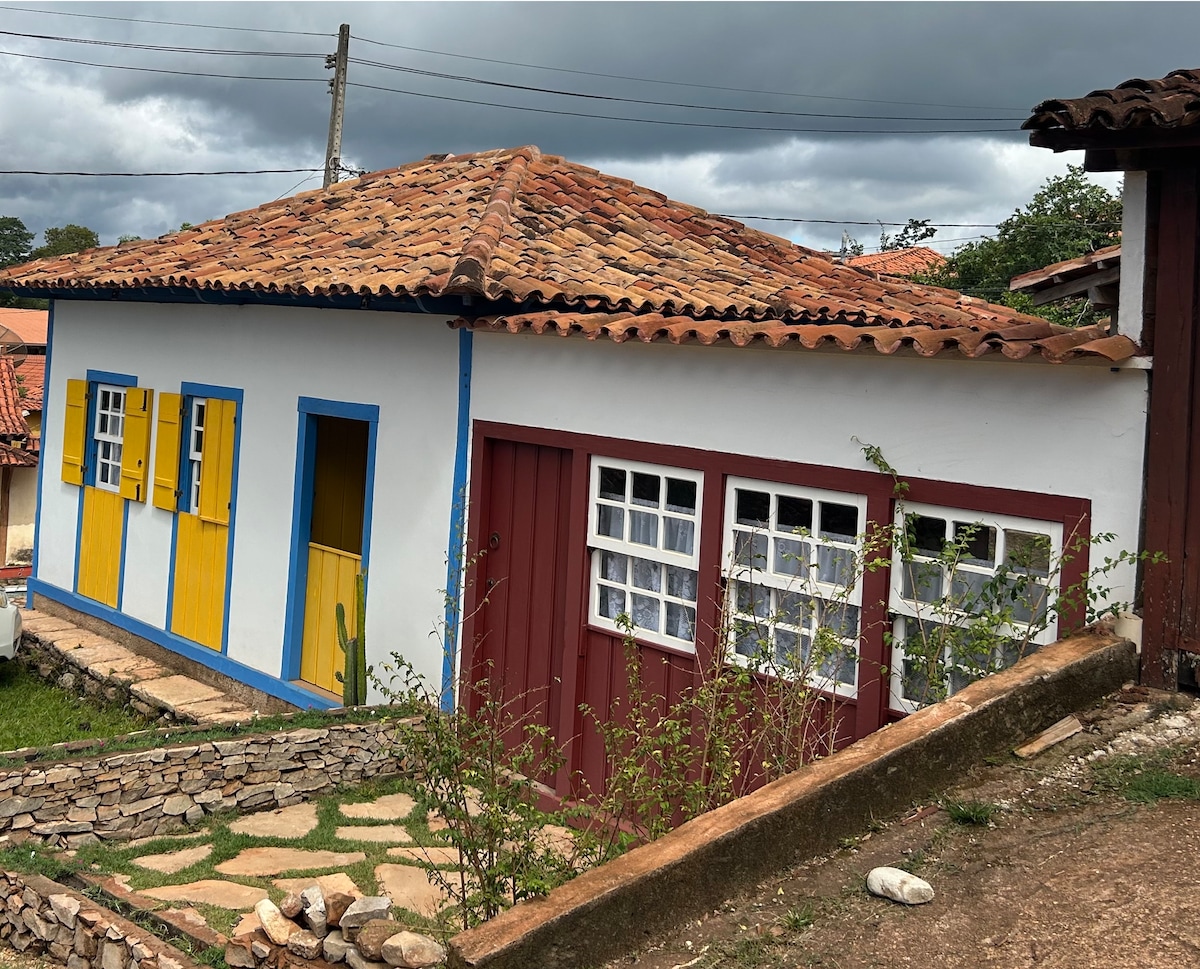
(337, 87)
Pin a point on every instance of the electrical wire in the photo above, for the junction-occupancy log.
(163, 48)
(682, 124)
(661, 104)
(159, 70)
(253, 171)
(167, 23)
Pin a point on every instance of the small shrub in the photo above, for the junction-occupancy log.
(978, 813)
(798, 919)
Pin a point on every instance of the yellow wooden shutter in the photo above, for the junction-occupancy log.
(75, 432)
(166, 452)
(216, 461)
(135, 446)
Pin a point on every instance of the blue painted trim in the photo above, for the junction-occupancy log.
(41, 476)
(310, 408)
(124, 541)
(78, 537)
(193, 651)
(236, 394)
(109, 377)
(458, 517)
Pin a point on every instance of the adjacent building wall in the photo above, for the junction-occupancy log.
(406, 364)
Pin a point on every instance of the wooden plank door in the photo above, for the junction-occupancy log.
(519, 636)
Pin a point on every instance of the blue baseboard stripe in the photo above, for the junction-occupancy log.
(458, 520)
(297, 696)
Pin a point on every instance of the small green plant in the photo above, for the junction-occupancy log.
(979, 813)
(1144, 779)
(354, 676)
(798, 919)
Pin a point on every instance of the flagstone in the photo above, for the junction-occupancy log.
(339, 882)
(395, 834)
(189, 915)
(289, 822)
(174, 861)
(432, 855)
(390, 807)
(408, 887)
(210, 891)
(273, 861)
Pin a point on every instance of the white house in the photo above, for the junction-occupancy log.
(611, 395)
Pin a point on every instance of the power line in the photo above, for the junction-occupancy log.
(168, 23)
(158, 70)
(254, 171)
(939, 225)
(684, 124)
(164, 48)
(661, 104)
(653, 80)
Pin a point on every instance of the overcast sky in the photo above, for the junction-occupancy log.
(940, 63)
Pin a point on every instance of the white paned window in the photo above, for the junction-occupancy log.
(195, 452)
(971, 594)
(644, 533)
(108, 434)
(795, 600)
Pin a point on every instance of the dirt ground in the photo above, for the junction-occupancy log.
(1067, 872)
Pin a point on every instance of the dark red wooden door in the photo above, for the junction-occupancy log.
(521, 590)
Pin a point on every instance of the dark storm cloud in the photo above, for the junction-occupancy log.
(989, 60)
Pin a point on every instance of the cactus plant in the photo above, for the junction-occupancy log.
(354, 677)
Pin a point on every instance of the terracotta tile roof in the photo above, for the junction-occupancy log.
(1169, 102)
(1105, 258)
(507, 225)
(12, 420)
(32, 371)
(1014, 337)
(29, 325)
(15, 457)
(899, 262)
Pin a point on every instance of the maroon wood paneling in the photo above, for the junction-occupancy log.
(1171, 447)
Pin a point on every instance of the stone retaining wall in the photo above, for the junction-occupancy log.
(151, 792)
(41, 917)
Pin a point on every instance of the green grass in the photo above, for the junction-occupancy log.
(34, 713)
(971, 812)
(1145, 779)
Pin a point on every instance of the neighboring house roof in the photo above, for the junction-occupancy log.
(1096, 273)
(1169, 102)
(899, 262)
(13, 428)
(29, 325)
(32, 370)
(524, 232)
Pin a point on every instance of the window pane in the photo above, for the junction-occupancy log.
(794, 608)
(647, 575)
(754, 599)
(681, 495)
(612, 602)
(643, 528)
(645, 612)
(839, 618)
(614, 566)
(681, 583)
(967, 590)
(1028, 551)
(681, 622)
(787, 649)
(646, 488)
(102, 422)
(839, 522)
(926, 536)
(1026, 597)
(921, 581)
(610, 521)
(795, 514)
(791, 557)
(612, 484)
(750, 550)
(839, 666)
(977, 541)
(835, 565)
(679, 534)
(753, 508)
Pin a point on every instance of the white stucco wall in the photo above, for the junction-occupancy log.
(1071, 430)
(22, 508)
(406, 364)
(1133, 256)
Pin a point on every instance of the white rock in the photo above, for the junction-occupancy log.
(335, 947)
(278, 928)
(412, 950)
(899, 886)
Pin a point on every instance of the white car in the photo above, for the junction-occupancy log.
(10, 627)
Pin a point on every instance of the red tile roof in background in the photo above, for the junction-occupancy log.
(32, 371)
(899, 262)
(29, 325)
(12, 420)
(1104, 258)
(1169, 102)
(519, 225)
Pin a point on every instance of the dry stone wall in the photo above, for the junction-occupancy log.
(41, 917)
(152, 792)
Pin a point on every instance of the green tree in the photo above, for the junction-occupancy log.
(15, 241)
(914, 233)
(64, 240)
(1067, 217)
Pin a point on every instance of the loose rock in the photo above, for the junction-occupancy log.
(899, 886)
(312, 901)
(335, 946)
(374, 934)
(278, 928)
(411, 950)
(361, 912)
(304, 944)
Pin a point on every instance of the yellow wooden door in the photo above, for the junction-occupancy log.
(198, 599)
(100, 545)
(331, 575)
